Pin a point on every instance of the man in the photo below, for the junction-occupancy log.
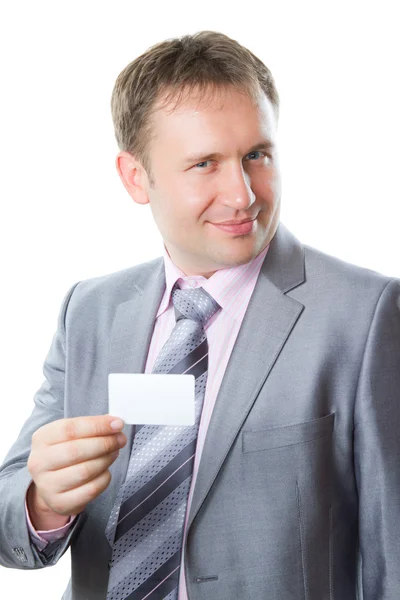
(291, 483)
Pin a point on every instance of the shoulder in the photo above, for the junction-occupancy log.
(113, 288)
(345, 300)
(339, 277)
(341, 293)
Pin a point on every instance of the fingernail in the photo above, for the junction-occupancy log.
(117, 424)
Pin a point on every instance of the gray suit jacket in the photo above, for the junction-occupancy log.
(300, 473)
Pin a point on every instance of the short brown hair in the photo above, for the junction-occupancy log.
(207, 59)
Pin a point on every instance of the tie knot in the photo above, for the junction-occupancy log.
(195, 304)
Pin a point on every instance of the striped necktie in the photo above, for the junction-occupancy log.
(146, 525)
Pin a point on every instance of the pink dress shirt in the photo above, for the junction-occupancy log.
(232, 289)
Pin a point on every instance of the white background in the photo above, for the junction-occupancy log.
(65, 215)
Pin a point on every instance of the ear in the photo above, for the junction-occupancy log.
(133, 176)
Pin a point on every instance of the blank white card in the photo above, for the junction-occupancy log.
(152, 398)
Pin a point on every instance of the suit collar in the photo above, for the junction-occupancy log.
(284, 263)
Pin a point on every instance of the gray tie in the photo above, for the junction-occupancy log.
(146, 525)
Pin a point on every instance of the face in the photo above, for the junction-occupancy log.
(212, 162)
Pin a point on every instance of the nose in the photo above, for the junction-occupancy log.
(236, 189)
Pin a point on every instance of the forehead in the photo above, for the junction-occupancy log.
(212, 107)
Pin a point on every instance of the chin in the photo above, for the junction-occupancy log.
(234, 259)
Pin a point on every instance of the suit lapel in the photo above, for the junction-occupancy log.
(267, 324)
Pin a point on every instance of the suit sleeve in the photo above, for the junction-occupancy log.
(17, 549)
(377, 450)
(42, 538)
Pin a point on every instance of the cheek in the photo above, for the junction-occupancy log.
(178, 214)
(267, 186)
(275, 186)
(192, 198)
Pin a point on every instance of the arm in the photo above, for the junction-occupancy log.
(377, 450)
(16, 547)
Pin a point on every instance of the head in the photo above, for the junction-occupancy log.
(195, 120)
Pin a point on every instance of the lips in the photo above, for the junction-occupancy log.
(239, 229)
(236, 222)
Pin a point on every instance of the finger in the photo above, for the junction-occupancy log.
(79, 474)
(74, 428)
(81, 450)
(74, 501)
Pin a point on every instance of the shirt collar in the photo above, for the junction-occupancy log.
(230, 287)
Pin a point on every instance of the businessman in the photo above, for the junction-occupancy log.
(288, 484)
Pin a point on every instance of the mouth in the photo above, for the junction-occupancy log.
(238, 228)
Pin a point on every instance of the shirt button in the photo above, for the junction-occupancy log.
(192, 283)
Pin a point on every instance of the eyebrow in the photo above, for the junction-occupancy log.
(264, 145)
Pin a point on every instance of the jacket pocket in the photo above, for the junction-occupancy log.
(287, 435)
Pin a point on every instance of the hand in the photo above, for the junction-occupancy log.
(69, 463)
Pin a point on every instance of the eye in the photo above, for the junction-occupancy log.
(202, 164)
(255, 155)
